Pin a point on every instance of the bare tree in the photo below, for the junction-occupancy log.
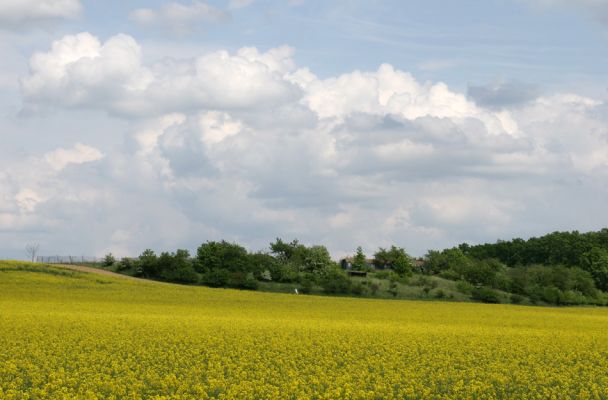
(31, 249)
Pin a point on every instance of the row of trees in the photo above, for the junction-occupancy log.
(225, 264)
(587, 251)
(559, 268)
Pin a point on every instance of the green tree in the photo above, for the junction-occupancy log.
(316, 259)
(148, 264)
(595, 261)
(359, 261)
(221, 255)
(335, 281)
(177, 267)
(395, 258)
(109, 260)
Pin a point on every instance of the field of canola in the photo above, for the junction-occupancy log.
(70, 335)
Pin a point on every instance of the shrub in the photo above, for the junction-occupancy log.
(125, 264)
(516, 298)
(464, 287)
(440, 294)
(485, 295)
(108, 260)
(373, 287)
(241, 280)
(358, 289)
(306, 284)
(393, 288)
(335, 281)
(217, 278)
(383, 274)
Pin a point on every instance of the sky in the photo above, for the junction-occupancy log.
(127, 125)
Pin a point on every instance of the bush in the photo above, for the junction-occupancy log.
(306, 284)
(335, 281)
(383, 274)
(485, 295)
(108, 260)
(217, 278)
(517, 299)
(373, 287)
(241, 280)
(440, 294)
(393, 288)
(464, 287)
(358, 289)
(125, 264)
(553, 295)
(450, 274)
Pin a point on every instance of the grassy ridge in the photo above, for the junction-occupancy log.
(65, 334)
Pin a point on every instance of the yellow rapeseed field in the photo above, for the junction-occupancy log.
(69, 335)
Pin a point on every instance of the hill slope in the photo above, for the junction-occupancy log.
(70, 334)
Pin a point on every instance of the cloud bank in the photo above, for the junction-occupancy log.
(248, 145)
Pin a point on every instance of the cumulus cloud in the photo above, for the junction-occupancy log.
(181, 18)
(248, 146)
(79, 154)
(81, 71)
(18, 14)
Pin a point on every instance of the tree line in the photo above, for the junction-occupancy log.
(559, 268)
(225, 264)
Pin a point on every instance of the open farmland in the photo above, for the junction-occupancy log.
(67, 334)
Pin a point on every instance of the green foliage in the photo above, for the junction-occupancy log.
(108, 260)
(516, 298)
(307, 282)
(464, 287)
(359, 261)
(241, 280)
(126, 264)
(260, 264)
(358, 289)
(217, 278)
(177, 267)
(148, 264)
(222, 255)
(373, 288)
(294, 255)
(316, 259)
(557, 248)
(437, 262)
(485, 295)
(335, 281)
(595, 261)
(395, 258)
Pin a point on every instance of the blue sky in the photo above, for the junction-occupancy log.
(127, 125)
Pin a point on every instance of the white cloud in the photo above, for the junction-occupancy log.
(179, 17)
(27, 200)
(17, 14)
(79, 154)
(80, 71)
(248, 146)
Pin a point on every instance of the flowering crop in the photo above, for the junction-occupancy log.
(66, 335)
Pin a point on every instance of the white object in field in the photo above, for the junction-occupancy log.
(296, 290)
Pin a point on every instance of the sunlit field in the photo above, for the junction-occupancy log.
(66, 334)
